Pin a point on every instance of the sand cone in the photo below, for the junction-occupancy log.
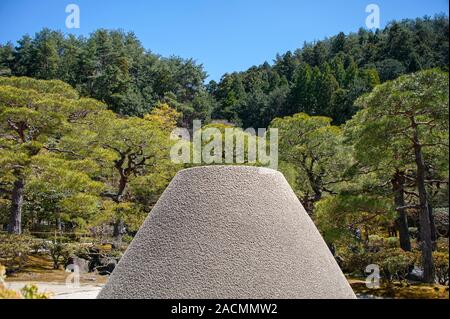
(228, 232)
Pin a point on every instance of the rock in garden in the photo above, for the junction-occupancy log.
(107, 266)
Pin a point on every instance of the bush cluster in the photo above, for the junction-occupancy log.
(27, 292)
(441, 266)
(393, 262)
(14, 250)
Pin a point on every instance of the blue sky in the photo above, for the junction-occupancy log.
(223, 35)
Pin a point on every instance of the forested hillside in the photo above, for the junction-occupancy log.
(325, 77)
(111, 66)
(321, 78)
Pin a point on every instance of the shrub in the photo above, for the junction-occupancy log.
(378, 243)
(375, 243)
(441, 267)
(441, 221)
(27, 292)
(355, 262)
(59, 251)
(31, 292)
(413, 232)
(127, 238)
(37, 246)
(395, 263)
(442, 245)
(14, 250)
(392, 242)
(6, 293)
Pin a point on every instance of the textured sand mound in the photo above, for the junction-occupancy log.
(228, 232)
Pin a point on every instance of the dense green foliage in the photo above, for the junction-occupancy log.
(400, 140)
(362, 120)
(68, 161)
(313, 147)
(110, 66)
(326, 77)
(322, 78)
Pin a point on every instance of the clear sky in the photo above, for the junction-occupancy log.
(223, 35)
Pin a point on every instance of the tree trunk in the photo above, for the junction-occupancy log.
(316, 185)
(366, 237)
(118, 232)
(15, 216)
(401, 222)
(59, 224)
(309, 202)
(122, 185)
(424, 215)
(119, 224)
(432, 226)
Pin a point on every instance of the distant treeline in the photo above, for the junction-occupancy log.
(321, 78)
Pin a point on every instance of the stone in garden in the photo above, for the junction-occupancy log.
(107, 266)
(228, 232)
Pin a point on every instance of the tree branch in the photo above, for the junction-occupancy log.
(54, 149)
